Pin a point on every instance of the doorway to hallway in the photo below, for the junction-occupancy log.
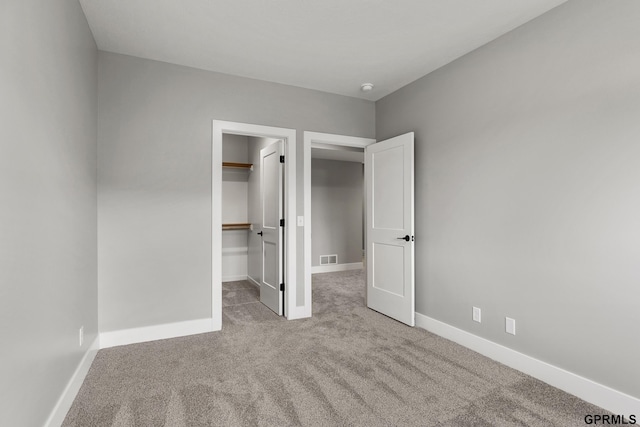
(329, 147)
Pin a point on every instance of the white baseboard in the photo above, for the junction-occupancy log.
(584, 388)
(253, 281)
(234, 278)
(156, 332)
(335, 267)
(70, 392)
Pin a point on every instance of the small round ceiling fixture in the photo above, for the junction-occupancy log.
(366, 87)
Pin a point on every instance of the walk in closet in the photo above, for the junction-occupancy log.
(241, 244)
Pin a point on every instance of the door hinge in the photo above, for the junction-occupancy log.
(282, 287)
(282, 223)
(281, 159)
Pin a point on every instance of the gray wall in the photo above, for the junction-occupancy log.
(235, 148)
(337, 204)
(48, 282)
(527, 185)
(154, 177)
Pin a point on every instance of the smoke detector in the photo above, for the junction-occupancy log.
(366, 87)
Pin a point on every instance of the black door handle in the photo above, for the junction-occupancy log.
(260, 233)
(406, 238)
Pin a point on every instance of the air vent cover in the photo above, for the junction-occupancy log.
(328, 259)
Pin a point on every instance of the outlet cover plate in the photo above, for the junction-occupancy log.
(510, 325)
(477, 315)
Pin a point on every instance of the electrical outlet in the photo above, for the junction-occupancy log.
(81, 336)
(477, 315)
(510, 325)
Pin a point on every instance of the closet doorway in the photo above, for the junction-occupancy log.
(252, 209)
(253, 198)
(345, 156)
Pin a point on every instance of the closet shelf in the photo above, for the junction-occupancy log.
(237, 226)
(234, 165)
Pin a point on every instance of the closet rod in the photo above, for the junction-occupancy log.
(237, 165)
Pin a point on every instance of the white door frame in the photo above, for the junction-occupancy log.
(245, 129)
(310, 139)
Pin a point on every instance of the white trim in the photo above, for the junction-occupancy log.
(253, 282)
(309, 139)
(336, 267)
(584, 388)
(290, 204)
(156, 332)
(70, 392)
(234, 251)
(332, 139)
(234, 278)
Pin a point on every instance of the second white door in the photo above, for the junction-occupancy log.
(271, 217)
(389, 181)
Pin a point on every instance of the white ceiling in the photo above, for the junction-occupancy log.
(328, 45)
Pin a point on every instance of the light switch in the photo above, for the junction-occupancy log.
(300, 221)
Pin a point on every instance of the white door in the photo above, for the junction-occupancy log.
(271, 213)
(390, 235)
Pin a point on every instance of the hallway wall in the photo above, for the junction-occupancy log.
(337, 203)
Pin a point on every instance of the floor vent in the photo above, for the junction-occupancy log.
(328, 259)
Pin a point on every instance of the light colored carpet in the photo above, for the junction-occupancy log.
(241, 305)
(345, 366)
